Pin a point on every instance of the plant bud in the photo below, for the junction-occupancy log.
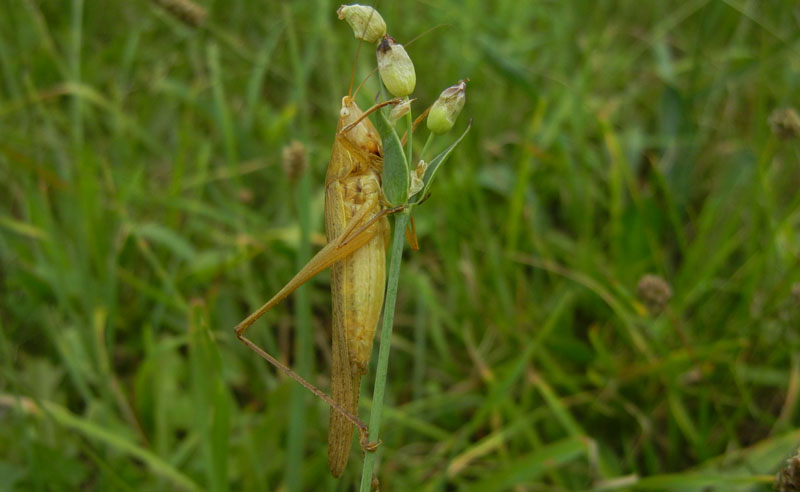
(400, 110)
(422, 166)
(445, 110)
(396, 68)
(416, 178)
(366, 22)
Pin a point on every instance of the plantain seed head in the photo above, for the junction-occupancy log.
(785, 123)
(294, 160)
(186, 10)
(654, 292)
(788, 479)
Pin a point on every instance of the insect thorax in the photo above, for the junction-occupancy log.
(360, 188)
(363, 135)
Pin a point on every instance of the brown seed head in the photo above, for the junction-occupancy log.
(294, 160)
(785, 123)
(788, 479)
(654, 292)
(185, 10)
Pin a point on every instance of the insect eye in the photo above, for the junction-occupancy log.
(344, 112)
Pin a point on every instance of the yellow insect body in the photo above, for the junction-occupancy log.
(353, 193)
(358, 234)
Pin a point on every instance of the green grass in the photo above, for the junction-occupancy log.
(144, 212)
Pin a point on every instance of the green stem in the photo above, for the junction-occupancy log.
(76, 110)
(427, 144)
(409, 155)
(400, 222)
(304, 342)
(304, 346)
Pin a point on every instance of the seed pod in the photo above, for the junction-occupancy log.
(400, 110)
(366, 22)
(396, 68)
(447, 108)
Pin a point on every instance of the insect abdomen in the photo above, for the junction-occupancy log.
(357, 289)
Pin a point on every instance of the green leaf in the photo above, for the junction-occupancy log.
(533, 465)
(395, 167)
(11, 474)
(211, 399)
(102, 433)
(433, 166)
(168, 238)
(695, 482)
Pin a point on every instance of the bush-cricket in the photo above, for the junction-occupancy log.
(358, 235)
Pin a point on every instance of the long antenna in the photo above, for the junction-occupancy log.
(358, 50)
(426, 32)
(364, 81)
(353, 72)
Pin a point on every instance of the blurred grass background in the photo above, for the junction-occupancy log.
(145, 211)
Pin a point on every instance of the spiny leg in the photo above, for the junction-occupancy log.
(350, 240)
(363, 431)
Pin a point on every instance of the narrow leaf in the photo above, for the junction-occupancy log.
(168, 238)
(433, 166)
(210, 397)
(395, 167)
(531, 466)
(102, 433)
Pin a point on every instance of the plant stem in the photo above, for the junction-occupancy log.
(304, 345)
(409, 155)
(400, 222)
(427, 144)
